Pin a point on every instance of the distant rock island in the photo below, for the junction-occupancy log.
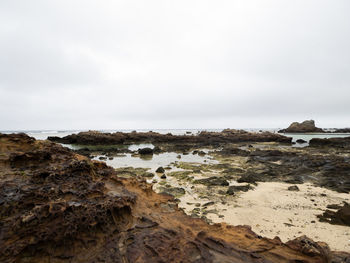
(305, 126)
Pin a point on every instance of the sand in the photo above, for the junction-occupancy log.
(271, 210)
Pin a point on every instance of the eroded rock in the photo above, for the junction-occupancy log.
(57, 206)
(305, 126)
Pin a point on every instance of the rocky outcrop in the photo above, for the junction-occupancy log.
(145, 151)
(317, 165)
(339, 217)
(331, 142)
(342, 130)
(204, 138)
(57, 206)
(305, 126)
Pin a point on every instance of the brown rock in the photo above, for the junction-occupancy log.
(305, 126)
(57, 206)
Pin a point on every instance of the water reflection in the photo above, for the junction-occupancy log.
(156, 160)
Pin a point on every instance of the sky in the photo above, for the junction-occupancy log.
(131, 64)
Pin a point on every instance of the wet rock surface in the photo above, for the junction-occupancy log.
(145, 151)
(58, 206)
(331, 142)
(293, 166)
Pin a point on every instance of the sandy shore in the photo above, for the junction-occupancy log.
(271, 210)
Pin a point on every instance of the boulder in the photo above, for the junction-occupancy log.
(174, 191)
(305, 126)
(212, 181)
(145, 151)
(293, 188)
(237, 188)
(160, 170)
(340, 217)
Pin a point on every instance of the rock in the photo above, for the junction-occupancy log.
(212, 181)
(102, 158)
(331, 142)
(174, 191)
(334, 206)
(163, 176)
(57, 206)
(233, 151)
(157, 149)
(340, 217)
(293, 188)
(201, 153)
(209, 204)
(305, 126)
(310, 247)
(301, 141)
(203, 138)
(145, 151)
(342, 130)
(148, 175)
(250, 178)
(238, 188)
(160, 170)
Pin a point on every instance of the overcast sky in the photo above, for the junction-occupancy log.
(173, 64)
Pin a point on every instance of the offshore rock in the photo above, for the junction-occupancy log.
(58, 206)
(305, 126)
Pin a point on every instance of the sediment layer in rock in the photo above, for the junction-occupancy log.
(57, 206)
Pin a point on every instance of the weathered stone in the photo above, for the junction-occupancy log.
(212, 181)
(145, 151)
(305, 126)
(160, 170)
(293, 188)
(238, 188)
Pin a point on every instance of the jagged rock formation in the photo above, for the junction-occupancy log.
(339, 217)
(305, 126)
(57, 206)
(204, 138)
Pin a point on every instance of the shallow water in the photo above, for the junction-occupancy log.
(131, 147)
(155, 160)
(308, 136)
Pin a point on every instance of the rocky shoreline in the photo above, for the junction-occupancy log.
(203, 138)
(58, 206)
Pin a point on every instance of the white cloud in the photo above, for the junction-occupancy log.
(173, 64)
